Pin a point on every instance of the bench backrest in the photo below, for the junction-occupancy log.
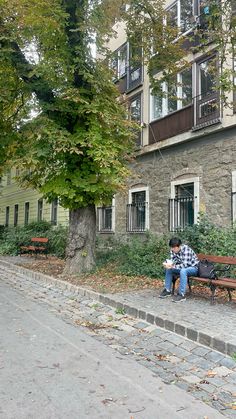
(228, 260)
(40, 240)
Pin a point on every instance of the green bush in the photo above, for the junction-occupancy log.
(205, 237)
(13, 237)
(144, 256)
(139, 256)
(57, 241)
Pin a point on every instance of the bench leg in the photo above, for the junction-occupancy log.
(213, 290)
(229, 294)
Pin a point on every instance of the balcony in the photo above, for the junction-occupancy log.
(203, 112)
(181, 213)
(171, 125)
(136, 217)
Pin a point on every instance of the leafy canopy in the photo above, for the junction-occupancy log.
(72, 138)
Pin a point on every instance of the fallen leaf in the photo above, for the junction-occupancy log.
(211, 374)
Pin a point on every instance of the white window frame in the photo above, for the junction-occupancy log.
(113, 213)
(234, 197)
(146, 190)
(196, 183)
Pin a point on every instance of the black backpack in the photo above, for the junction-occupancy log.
(206, 269)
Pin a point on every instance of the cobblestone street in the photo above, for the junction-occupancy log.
(207, 374)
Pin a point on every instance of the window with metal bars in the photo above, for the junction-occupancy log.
(136, 218)
(105, 222)
(181, 208)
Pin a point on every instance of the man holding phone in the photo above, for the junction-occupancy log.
(183, 262)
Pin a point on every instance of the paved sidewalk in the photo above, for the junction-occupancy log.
(196, 319)
(205, 374)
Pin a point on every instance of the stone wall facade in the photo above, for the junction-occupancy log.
(211, 158)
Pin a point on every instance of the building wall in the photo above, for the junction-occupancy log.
(11, 194)
(212, 159)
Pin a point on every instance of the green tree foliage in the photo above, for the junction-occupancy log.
(77, 146)
(61, 118)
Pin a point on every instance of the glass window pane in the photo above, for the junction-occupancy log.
(207, 77)
(186, 87)
(135, 75)
(172, 97)
(135, 109)
(186, 13)
(138, 197)
(185, 190)
(156, 107)
(172, 15)
(122, 61)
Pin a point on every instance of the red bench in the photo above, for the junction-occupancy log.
(39, 246)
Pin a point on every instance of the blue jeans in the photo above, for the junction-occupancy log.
(183, 274)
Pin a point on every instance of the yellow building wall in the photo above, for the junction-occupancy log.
(11, 194)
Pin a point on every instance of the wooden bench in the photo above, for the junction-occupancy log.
(39, 246)
(228, 283)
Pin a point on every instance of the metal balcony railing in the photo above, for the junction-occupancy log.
(206, 109)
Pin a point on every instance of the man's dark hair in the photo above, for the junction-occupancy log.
(174, 242)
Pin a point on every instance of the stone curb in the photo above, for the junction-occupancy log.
(228, 348)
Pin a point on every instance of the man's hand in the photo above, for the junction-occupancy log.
(168, 264)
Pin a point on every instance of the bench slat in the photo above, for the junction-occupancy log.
(39, 246)
(225, 282)
(228, 260)
(39, 239)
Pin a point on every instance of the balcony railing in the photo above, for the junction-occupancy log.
(181, 213)
(136, 217)
(206, 110)
(104, 216)
(171, 125)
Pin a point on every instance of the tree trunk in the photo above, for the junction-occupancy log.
(80, 251)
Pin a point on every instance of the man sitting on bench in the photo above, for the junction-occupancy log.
(183, 262)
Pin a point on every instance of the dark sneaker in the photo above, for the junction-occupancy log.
(178, 298)
(165, 294)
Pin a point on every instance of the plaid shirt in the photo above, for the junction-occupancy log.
(185, 258)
